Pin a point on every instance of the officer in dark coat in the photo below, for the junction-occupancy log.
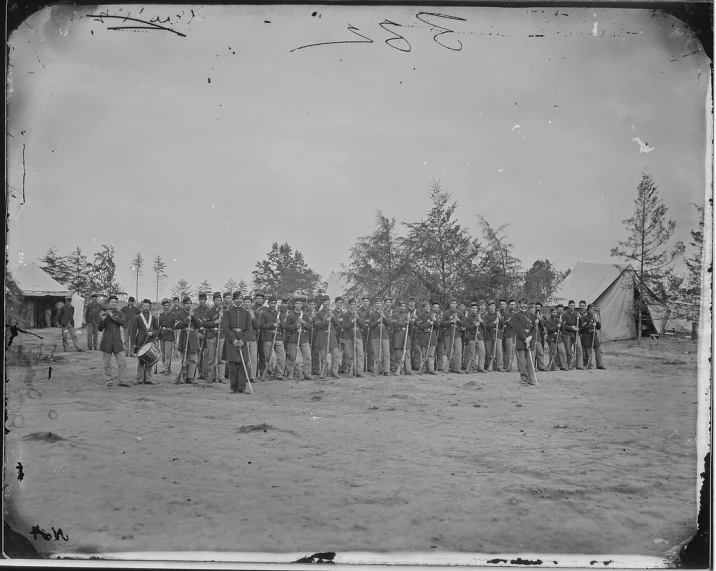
(111, 323)
(234, 324)
(524, 328)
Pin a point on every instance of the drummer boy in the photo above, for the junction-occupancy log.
(146, 330)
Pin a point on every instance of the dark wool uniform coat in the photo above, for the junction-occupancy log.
(490, 324)
(291, 326)
(523, 327)
(182, 324)
(321, 323)
(400, 325)
(428, 334)
(473, 327)
(166, 324)
(267, 323)
(141, 334)
(92, 312)
(236, 325)
(348, 326)
(111, 327)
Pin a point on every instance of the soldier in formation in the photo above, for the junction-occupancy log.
(252, 339)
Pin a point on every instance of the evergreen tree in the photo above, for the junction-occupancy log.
(647, 245)
(541, 281)
(284, 270)
(104, 274)
(500, 272)
(437, 247)
(231, 285)
(181, 289)
(378, 264)
(80, 271)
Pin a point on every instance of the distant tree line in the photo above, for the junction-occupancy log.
(438, 258)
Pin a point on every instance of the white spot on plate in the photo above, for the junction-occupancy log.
(500, 170)
(515, 127)
(594, 29)
(643, 147)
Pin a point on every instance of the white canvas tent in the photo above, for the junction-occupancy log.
(40, 292)
(611, 287)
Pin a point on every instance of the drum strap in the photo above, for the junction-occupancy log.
(147, 324)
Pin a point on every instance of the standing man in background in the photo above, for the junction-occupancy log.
(166, 327)
(271, 329)
(203, 353)
(91, 319)
(66, 319)
(570, 320)
(130, 312)
(212, 329)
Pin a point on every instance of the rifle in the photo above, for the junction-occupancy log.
(452, 344)
(594, 334)
(218, 337)
(573, 356)
(186, 351)
(494, 345)
(298, 346)
(328, 340)
(201, 357)
(379, 361)
(273, 344)
(405, 346)
(354, 364)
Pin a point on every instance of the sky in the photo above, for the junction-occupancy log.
(207, 147)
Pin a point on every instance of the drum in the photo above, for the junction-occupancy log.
(149, 354)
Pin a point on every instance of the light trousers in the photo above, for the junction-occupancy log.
(121, 364)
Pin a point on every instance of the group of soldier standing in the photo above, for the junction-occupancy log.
(272, 339)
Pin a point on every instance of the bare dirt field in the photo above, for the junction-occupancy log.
(594, 462)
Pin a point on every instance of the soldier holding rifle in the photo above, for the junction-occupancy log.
(427, 326)
(379, 325)
(188, 324)
(590, 340)
(452, 320)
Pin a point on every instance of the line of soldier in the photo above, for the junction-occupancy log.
(376, 337)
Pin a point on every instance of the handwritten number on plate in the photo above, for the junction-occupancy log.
(445, 30)
(397, 37)
(351, 28)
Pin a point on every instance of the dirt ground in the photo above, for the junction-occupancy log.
(594, 462)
